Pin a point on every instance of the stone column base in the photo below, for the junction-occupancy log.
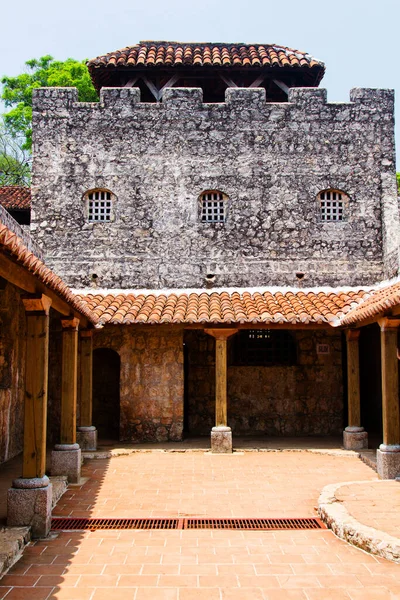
(66, 460)
(355, 438)
(87, 438)
(388, 461)
(29, 504)
(221, 440)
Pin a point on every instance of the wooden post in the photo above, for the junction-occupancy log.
(354, 436)
(353, 378)
(221, 396)
(388, 454)
(86, 435)
(221, 370)
(86, 378)
(221, 434)
(390, 385)
(36, 382)
(69, 380)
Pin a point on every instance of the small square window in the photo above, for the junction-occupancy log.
(331, 205)
(99, 206)
(212, 207)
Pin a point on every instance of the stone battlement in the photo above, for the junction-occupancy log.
(57, 99)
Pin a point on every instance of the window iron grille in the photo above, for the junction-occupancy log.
(212, 207)
(99, 206)
(331, 205)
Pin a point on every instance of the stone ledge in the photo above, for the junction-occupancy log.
(60, 485)
(112, 452)
(369, 458)
(336, 516)
(12, 543)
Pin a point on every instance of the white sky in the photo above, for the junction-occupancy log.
(357, 39)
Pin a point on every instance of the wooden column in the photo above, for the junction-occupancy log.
(390, 384)
(36, 381)
(353, 378)
(221, 366)
(86, 378)
(69, 380)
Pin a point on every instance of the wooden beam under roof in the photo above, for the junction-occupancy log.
(26, 281)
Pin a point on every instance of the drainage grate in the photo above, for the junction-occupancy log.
(94, 524)
(260, 524)
(68, 524)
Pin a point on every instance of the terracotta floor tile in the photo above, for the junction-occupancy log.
(19, 580)
(250, 593)
(98, 581)
(114, 594)
(205, 564)
(29, 593)
(264, 581)
(123, 570)
(285, 594)
(324, 594)
(157, 594)
(298, 581)
(374, 594)
(138, 581)
(85, 593)
(342, 581)
(199, 594)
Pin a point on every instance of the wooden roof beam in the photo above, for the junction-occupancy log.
(24, 280)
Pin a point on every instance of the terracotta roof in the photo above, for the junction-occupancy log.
(381, 301)
(222, 307)
(177, 54)
(13, 246)
(15, 197)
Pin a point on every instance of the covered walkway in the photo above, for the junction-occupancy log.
(194, 564)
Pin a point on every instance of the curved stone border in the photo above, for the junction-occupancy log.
(335, 515)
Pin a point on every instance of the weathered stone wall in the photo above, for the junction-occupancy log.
(12, 372)
(151, 380)
(270, 159)
(305, 399)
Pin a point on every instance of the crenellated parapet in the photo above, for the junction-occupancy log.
(57, 100)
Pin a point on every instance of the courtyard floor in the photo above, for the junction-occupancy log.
(203, 564)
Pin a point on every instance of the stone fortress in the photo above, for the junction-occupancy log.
(267, 153)
(225, 232)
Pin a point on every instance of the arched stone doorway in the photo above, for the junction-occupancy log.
(106, 406)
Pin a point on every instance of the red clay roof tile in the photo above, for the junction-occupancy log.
(212, 54)
(379, 303)
(228, 307)
(15, 197)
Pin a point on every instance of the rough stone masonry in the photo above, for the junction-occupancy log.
(270, 160)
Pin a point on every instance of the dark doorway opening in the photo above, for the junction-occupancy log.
(199, 383)
(370, 383)
(106, 407)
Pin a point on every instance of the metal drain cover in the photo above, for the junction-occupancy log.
(71, 524)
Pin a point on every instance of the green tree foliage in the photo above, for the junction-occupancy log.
(15, 163)
(398, 183)
(42, 72)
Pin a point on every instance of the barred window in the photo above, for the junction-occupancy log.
(99, 206)
(213, 207)
(264, 347)
(332, 204)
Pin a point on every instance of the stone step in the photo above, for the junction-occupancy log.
(12, 542)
